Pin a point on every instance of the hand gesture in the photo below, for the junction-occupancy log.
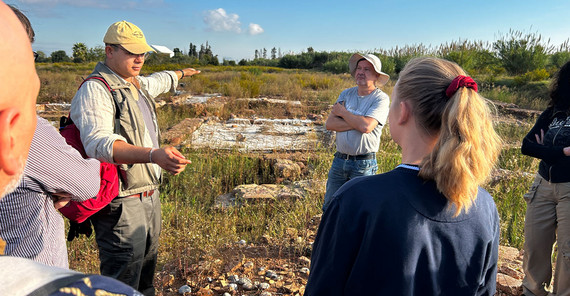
(540, 139)
(60, 199)
(187, 72)
(170, 159)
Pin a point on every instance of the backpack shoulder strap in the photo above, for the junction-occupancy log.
(115, 100)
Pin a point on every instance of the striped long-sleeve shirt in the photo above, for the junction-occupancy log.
(29, 224)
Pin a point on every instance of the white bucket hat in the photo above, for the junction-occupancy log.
(374, 60)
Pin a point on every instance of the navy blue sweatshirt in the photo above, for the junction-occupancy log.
(394, 234)
(554, 165)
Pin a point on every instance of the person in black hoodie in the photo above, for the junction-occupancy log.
(548, 200)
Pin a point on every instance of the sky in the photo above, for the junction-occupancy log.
(236, 28)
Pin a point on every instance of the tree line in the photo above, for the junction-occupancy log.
(516, 53)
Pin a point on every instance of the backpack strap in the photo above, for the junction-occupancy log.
(55, 285)
(115, 101)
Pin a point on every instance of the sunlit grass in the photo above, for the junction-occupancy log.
(194, 229)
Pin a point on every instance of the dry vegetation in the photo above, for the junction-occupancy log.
(199, 244)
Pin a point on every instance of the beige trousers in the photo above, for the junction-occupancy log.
(547, 221)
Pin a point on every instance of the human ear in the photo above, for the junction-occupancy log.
(9, 160)
(404, 112)
(108, 50)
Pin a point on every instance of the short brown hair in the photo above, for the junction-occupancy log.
(25, 22)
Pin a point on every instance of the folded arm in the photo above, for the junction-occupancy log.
(533, 144)
(341, 120)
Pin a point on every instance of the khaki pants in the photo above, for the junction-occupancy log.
(547, 220)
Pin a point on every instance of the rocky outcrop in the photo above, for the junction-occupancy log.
(286, 169)
(513, 110)
(510, 272)
(253, 193)
(180, 132)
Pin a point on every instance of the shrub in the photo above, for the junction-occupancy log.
(336, 66)
(520, 53)
(535, 75)
(558, 59)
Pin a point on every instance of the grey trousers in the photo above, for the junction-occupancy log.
(547, 220)
(127, 232)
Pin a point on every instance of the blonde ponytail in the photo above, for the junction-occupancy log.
(468, 146)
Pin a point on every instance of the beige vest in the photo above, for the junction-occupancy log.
(135, 178)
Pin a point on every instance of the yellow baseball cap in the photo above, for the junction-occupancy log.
(127, 35)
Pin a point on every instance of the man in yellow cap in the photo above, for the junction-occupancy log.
(115, 113)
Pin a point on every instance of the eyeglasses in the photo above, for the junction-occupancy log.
(36, 56)
(142, 55)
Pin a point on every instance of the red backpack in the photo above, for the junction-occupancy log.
(79, 211)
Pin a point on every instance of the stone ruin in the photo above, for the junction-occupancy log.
(252, 134)
(263, 135)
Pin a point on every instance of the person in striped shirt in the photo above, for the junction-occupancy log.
(22, 276)
(30, 225)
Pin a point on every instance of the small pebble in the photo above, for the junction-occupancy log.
(248, 286)
(304, 270)
(242, 242)
(242, 280)
(246, 283)
(270, 273)
(184, 289)
(233, 278)
(233, 287)
(264, 286)
(227, 294)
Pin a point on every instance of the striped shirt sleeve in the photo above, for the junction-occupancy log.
(58, 167)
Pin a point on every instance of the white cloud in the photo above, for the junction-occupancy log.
(218, 20)
(255, 29)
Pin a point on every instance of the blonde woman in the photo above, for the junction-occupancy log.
(426, 227)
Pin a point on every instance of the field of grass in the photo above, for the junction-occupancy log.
(194, 230)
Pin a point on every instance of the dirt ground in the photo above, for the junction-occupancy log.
(262, 268)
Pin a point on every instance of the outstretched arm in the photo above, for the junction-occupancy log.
(187, 72)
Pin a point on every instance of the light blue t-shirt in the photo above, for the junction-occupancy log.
(375, 105)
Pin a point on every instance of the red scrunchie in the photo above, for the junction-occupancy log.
(460, 81)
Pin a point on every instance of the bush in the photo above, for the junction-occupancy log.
(535, 75)
(336, 66)
(558, 59)
(520, 53)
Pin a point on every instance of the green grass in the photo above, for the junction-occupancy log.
(508, 194)
(193, 229)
